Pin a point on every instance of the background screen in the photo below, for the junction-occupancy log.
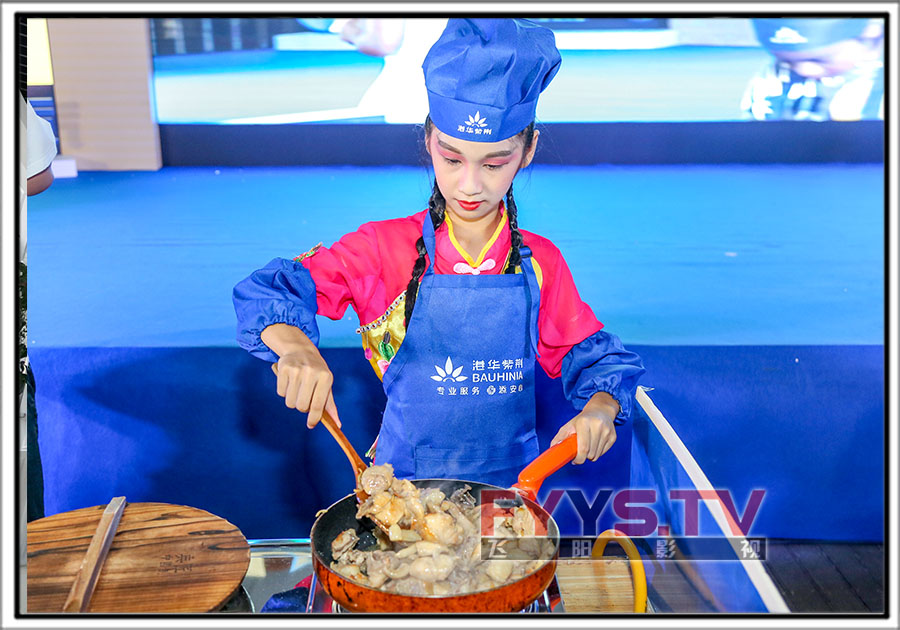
(287, 70)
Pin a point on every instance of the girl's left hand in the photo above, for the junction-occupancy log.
(594, 427)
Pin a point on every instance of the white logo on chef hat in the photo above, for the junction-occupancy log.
(475, 124)
(477, 121)
(448, 373)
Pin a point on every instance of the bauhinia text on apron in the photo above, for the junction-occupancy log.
(506, 373)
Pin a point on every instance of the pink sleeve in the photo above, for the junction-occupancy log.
(347, 273)
(564, 320)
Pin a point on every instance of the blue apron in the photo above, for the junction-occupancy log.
(460, 390)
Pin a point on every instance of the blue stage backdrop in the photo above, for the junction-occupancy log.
(753, 294)
(203, 427)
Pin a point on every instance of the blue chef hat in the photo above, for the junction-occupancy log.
(789, 34)
(484, 76)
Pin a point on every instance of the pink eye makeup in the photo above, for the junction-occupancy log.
(449, 156)
(492, 161)
(456, 158)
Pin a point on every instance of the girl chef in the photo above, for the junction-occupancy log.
(457, 304)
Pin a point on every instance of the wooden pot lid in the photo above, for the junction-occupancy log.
(164, 558)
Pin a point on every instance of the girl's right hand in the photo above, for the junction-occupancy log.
(304, 381)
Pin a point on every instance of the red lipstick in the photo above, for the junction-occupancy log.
(468, 205)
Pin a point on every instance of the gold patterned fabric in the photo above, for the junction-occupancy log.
(312, 251)
(382, 338)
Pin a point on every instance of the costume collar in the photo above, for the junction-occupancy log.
(453, 258)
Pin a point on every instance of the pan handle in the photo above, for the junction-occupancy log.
(544, 465)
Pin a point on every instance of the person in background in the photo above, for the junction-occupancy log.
(398, 92)
(821, 69)
(37, 148)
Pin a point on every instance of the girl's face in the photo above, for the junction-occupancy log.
(472, 176)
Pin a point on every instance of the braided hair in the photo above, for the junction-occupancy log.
(436, 210)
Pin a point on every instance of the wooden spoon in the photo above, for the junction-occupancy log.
(356, 462)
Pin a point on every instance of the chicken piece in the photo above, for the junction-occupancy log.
(440, 527)
(354, 556)
(421, 548)
(350, 571)
(523, 521)
(432, 568)
(415, 509)
(475, 555)
(397, 570)
(377, 579)
(384, 508)
(548, 548)
(505, 529)
(370, 504)
(408, 586)
(408, 552)
(461, 579)
(499, 570)
(343, 543)
(428, 548)
(375, 479)
(518, 569)
(433, 499)
(461, 519)
(483, 582)
(378, 563)
(404, 488)
(473, 515)
(398, 534)
(512, 550)
(530, 545)
(469, 551)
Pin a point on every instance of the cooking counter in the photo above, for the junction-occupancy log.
(276, 565)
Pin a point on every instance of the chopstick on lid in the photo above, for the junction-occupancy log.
(86, 579)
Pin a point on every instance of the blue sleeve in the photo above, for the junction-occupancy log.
(282, 292)
(601, 364)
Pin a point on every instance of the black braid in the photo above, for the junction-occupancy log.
(436, 207)
(515, 258)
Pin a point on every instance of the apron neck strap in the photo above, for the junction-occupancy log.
(428, 237)
(533, 296)
(532, 291)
